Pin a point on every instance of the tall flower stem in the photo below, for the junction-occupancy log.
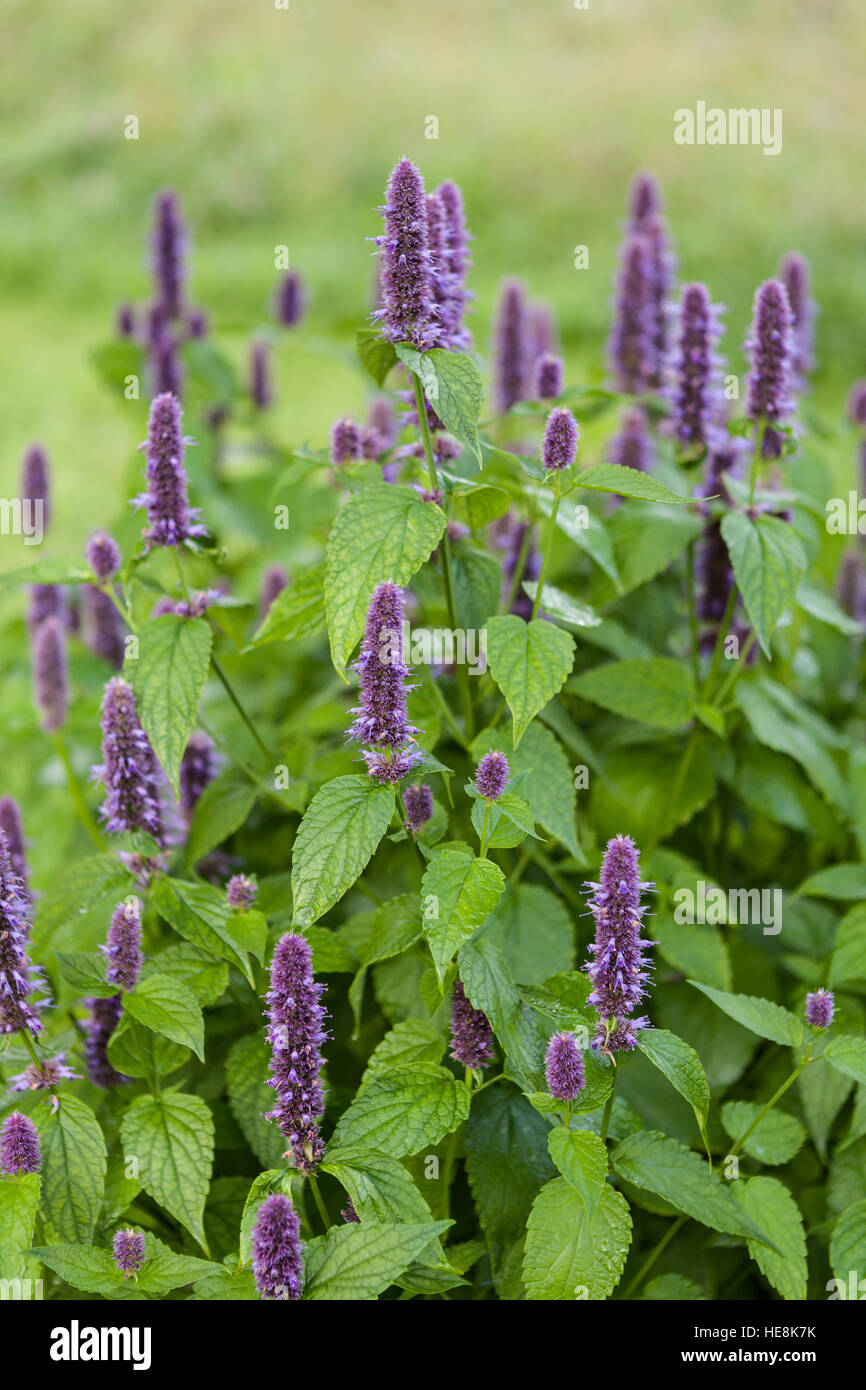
(319, 1201)
(693, 617)
(802, 1064)
(654, 1254)
(519, 567)
(122, 608)
(76, 792)
(605, 1119)
(27, 1039)
(756, 459)
(548, 548)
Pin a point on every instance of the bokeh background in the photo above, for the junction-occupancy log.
(280, 126)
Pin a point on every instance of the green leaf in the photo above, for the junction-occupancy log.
(135, 1051)
(849, 953)
(167, 677)
(172, 1137)
(223, 806)
(377, 354)
(534, 932)
(529, 663)
(477, 505)
(341, 828)
(758, 1015)
(682, 1067)
(646, 540)
(824, 607)
(86, 884)
(490, 987)
(200, 913)
(568, 1255)
(458, 894)
(768, 1203)
(458, 396)
(297, 611)
(412, 1040)
(164, 1270)
(73, 1168)
(477, 585)
(626, 482)
(848, 1055)
(85, 971)
(274, 1180)
(546, 779)
(581, 1158)
(359, 1262)
(166, 1006)
(848, 1244)
(659, 692)
(673, 1288)
(670, 1170)
(19, 1203)
(83, 1266)
(774, 1140)
(841, 881)
(509, 821)
(380, 1187)
(250, 1097)
(775, 727)
(769, 563)
(229, 1285)
(204, 977)
(403, 1109)
(383, 532)
(562, 606)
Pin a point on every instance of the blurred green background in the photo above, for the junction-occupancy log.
(280, 126)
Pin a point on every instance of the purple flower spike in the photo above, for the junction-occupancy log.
(105, 1015)
(407, 292)
(261, 388)
(103, 556)
(819, 1008)
(129, 770)
(18, 978)
(168, 247)
(50, 684)
(633, 446)
(418, 801)
(349, 1214)
(381, 719)
(241, 892)
(563, 1065)
(274, 580)
(457, 262)
(128, 1251)
(124, 321)
(491, 775)
(511, 346)
(618, 969)
(123, 947)
(10, 824)
(36, 486)
(197, 323)
(795, 276)
(278, 1263)
(168, 510)
(290, 300)
(631, 347)
(471, 1034)
(198, 768)
(296, 1030)
(346, 441)
(164, 367)
(559, 446)
(771, 347)
(102, 626)
(19, 1145)
(542, 331)
(382, 421)
(857, 404)
(46, 601)
(547, 377)
(644, 199)
(47, 1076)
(695, 369)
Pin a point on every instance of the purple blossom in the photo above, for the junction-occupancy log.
(418, 801)
(619, 969)
(795, 276)
(295, 1032)
(123, 947)
(661, 287)
(290, 300)
(407, 311)
(261, 388)
(10, 824)
(819, 1008)
(103, 556)
(19, 1145)
(547, 377)
(129, 769)
(50, 683)
(102, 626)
(695, 369)
(128, 1252)
(168, 248)
(36, 485)
(168, 510)
(46, 601)
(457, 262)
(124, 321)
(47, 1076)
(382, 421)
(631, 347)
(511, 347)
(542, 335)
(471, 1034)
(563, 1065)
(559, 446)
(346, 441)
(197, 323)
(771, 346)
(105, 1015)
(274, 580)
(278, 1263)
(241, 892)
(198, 768)
(644, 199)
(857, 404)
(381, 719)
(164, 367)
(349, 1214)
(632, 446)
(491, 775)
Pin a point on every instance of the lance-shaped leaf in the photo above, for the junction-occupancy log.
(769, 563)
(529, 662)
(167, 677)
(341, 828)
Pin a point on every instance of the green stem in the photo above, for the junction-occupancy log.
(440, 699)
(548, 548)
(756, 459)
(605, 1119)
(720, 640)
(224, 680)
(30, 1045)
(122, 608)
(654, 1254)
(693, 616)
(733, 676)
(483, 835)
(804, 1062)
(519, 567)
(76, 792)
(319, 1200)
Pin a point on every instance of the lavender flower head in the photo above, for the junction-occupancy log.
(542, 331)
(123, 947)
(124, 321)
(547, 377)
(19, 1145)
(129, 768)
(10, 824)
(46, 1076)
(198, 768)
(197, 323)
(346, 441)
(128, 1252)
(510, 347)
(296, 1030)
(382, 421)
(471, 1034)
(418, 801)
(771, 349)
(381, 719)
(261, 388)
(50, 683)
(274, 580)
(407, 294)
(171, 519)
(46, 601)
(103, 556)
(36, 485)
(819, 1008)
(795, 276)
(241, 892)
(631, 346)
(563, 1065)
(559, 446)
(164, 367)
(19, 979)
(491, 775)
(168, 247)
(278, 1264)
(105, 1015)
(456, 264)
(857, 404)
(695, 369)
(644, 199)
(290, 300)
(632, 446)
(619, 969)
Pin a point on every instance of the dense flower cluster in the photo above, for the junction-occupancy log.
(819, 1008)
(564, 1069)
(381, 719)
(129, 768)
(559, 445)
(407, 314)
(471, 1034)
(168, 511)
(20, 980)
(619, 968)
(19, 1145)
(128, 1252)
(278, 1264)
(491, 775)
(296, 1030)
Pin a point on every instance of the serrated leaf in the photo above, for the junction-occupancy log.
(675, 1288)
(568, 1255)
(222, 807)
(774, 1140)
(581, 1158)
(383, 532)
(848, 1244)
(659, 692)
(849, 953)
(298, 611)
(412, 1040)
(205, 977)
(848, 1055)
(87, 883)
(377, 354)
(682, 1067)
(760, 1016)
(490, 987)
(85, 972)
(167, 677)
(561, 605)
(19, 1203)
(172, 1137)
(167, 1007)
(458, 894)
(768, 1203)
(135, 1051)
(360, 1262)
(509, 821)
(626, 482)
(83, 1266)
(341, 828)
(769, 563)
(250, 1097)
(458, 396)
(403, 1109)
(380, 1187)
(529, 663)
(73, 1168)
(840, 881)
(772, 725)
(200, 914)
(534, 931)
